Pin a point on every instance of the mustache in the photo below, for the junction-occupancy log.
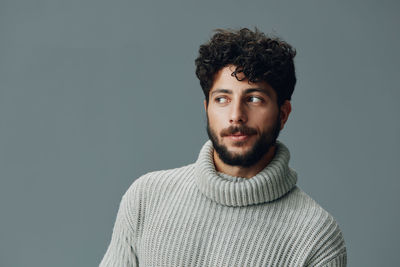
(238, 129)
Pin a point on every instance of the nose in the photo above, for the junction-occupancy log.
(237, 113)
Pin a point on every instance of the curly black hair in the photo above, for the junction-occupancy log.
(257, 56)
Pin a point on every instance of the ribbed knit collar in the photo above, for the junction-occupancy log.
(274, 181)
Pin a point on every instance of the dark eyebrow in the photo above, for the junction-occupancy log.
(247, 91)
(252, 90)
(225, 91)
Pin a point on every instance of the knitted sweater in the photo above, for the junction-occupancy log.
(196, 216)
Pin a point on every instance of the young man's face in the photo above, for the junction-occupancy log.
(243, 120)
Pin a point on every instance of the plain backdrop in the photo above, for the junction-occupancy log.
(95, 93)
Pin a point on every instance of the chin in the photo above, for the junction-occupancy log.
(239, 145)
(239, 149)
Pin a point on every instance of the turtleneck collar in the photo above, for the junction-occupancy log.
(274, 181)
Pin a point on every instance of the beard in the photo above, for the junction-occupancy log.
(261, 147)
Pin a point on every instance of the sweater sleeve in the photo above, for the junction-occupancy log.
(338, 261)
(121, 250)
(330, 250)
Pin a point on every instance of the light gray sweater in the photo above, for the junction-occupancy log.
(195, 216)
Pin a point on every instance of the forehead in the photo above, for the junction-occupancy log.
(224, 81)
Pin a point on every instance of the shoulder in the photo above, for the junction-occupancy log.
(161, 181)
(303, 208)
(326, 240)
(298, 200)
(149, 190)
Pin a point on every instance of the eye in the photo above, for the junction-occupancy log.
(221, 100)
(255, 99)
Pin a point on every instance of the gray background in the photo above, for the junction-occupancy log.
(94, 94)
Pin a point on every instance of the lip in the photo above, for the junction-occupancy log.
(238, 137)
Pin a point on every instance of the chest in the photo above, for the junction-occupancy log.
(203, 233)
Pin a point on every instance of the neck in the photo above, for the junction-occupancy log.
(240, 171)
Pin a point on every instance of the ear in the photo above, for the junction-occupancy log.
(285, 109)
(205, 105)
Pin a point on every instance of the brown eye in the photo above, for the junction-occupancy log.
(221, 100)
(255, 99)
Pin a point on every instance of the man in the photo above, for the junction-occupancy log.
(238, 204)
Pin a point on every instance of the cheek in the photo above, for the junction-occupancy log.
(215, 117)
(265, 119)
(216, 123)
